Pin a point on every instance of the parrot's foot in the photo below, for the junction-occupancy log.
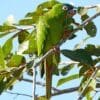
(56, 49)
(66, 34)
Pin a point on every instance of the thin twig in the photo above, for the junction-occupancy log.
(91, 6)
(43, 57)
(40, 83)
(66, 91)
(90, 18)
(34, 82)
(19, 94)
(60, 92)
(53, 88)
(12, 70)
(68, 62)
(70, 90)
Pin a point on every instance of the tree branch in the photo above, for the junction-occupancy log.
(68, 62)
(90, 18)
(66, 91)
(39, 83)
(91, 6)
(19, 94)
(70, 90)
(12, 70)
(57, 91)
(34, 82)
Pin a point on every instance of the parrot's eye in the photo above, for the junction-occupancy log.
(65, 8)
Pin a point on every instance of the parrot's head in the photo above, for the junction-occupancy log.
(69, 9)
(66, 9)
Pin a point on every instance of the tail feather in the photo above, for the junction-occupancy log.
(49, 65)
(48, 70)
(42, 69)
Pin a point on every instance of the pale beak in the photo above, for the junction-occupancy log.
(72, 12)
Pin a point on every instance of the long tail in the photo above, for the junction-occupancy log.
(49, 64)
(48, 72)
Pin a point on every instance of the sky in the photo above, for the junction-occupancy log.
(18, 8)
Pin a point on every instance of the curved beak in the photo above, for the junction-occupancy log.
(72, 12)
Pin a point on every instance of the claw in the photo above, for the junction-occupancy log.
(66, 34)
(56, 49)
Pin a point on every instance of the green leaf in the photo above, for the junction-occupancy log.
(3, 34)
(90, 26)
(79, 55)
(48, 5)
(67, 79)
(88, 96)
(22, 35)
(91, 87)
(30, 64)
(15, 61)
(92, 84)
(41, 10)
(32, 47)
(7, 47)
(98, 74)
(99, 98)
(82, 10)
(12, 80)
(2, 62)
(98, 8)
(65, 70)
(27, 21)
(93, 50)
(34, 15)
(23, 47)
(8, 81)
(2, 84)
(5, 28)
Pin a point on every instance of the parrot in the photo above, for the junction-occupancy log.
(52, 27)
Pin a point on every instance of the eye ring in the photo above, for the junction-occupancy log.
(65, 8)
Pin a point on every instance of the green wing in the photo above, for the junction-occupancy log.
(42, 31)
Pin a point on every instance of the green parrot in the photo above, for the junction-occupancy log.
(51, 28)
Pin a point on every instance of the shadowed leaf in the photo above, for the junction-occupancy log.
(65, 70)
(22, 35)
(93, 50)
(79, 55)
(90, 26)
